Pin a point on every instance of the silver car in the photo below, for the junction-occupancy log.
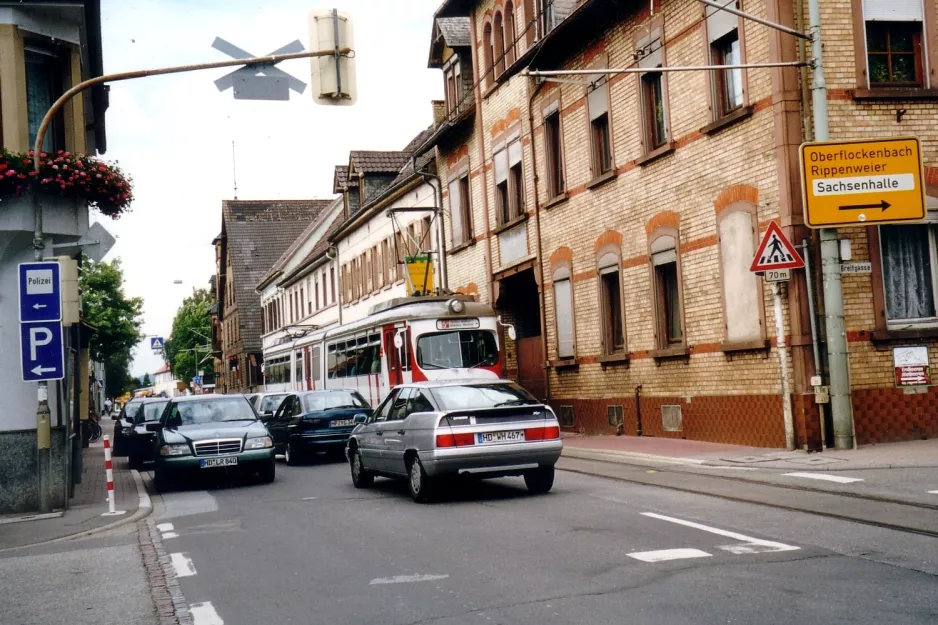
(428, 430)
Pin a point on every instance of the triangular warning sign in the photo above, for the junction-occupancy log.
(775, 252)
(156, 344)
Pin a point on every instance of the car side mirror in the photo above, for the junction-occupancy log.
(154, 427)
(360, 418)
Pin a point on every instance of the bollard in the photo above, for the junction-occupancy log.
(110, 479)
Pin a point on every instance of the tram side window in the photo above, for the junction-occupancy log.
(277, 371)
(314, 363)
(332, 363)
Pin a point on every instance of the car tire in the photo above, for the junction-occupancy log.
(361, 478)
(134, 461)
(291, 456)
(418, 482)
(268, 472)
(539, 480)
(162, 480)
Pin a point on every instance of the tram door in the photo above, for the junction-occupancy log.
(392, 355)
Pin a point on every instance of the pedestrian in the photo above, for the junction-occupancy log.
(107, 406)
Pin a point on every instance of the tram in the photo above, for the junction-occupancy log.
(402, 340)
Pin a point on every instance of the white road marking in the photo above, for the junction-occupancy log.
(182, 564)
(166, 530)
(204, 614)
(933, 492)
(749, 544)
(309, 498)
(723, 468)
(668, 554)
(405, 579)
(828, 478)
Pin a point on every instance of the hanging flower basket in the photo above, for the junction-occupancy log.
(104, 187)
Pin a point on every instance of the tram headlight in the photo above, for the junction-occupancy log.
(456, 306)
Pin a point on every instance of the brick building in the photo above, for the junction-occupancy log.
(612, 219)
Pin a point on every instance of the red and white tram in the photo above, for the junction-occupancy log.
(401, 340)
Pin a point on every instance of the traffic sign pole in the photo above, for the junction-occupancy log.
(841, 406)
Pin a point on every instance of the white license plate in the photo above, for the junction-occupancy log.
(341, 423)
(207, 463)
(500, 437)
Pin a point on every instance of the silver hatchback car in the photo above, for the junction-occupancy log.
(428, 430)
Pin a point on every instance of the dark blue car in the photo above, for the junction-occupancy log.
(311, 421)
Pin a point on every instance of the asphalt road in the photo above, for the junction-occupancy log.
(312, 549)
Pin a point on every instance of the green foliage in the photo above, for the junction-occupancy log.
(188, 348)
(145, 381)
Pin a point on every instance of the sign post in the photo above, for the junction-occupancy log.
(774, 259)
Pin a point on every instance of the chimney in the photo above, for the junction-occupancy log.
(439, 111)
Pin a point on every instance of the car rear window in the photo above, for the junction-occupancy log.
(463, 397)
(334, 400)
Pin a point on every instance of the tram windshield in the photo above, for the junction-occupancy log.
(458, 349)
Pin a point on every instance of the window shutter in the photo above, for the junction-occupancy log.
(563, 305)
(501, 166)
(551, 108)
(514, 152)
(608, 262)
(719, 22)
(651, 47)
(455, 211)
(893, 10)
(663, 250)
(598, 100)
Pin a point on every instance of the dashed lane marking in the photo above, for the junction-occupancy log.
(182, 564)
(748, 544)
(933, 492)
(405, 579)
(205, 614)
(166, 531)
(827, 478)
(663, 555)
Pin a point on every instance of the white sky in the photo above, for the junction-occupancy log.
(173, 134)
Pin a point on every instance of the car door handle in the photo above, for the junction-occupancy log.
(379, 433)
(402, 432)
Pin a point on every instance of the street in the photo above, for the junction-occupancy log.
(312, 549)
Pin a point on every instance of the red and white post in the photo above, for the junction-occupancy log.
(110, 479)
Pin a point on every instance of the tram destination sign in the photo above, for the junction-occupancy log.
(851, 183)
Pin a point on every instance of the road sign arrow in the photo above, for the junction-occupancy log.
(856, 207)
(40, 370)
(38, 306)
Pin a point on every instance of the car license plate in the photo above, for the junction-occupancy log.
(342, 423)
(208, 463)
(500, 437)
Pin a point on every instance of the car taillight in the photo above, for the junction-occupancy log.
(455, 440)
(542, 434)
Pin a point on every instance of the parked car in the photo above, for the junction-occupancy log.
(213, 432)
(124, 422)
(312, 421)
(266, 404)
(429, 430)
(137, 441)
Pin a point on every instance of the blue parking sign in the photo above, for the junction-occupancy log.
(42, 352)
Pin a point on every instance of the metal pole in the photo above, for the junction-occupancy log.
(841, 408)
(43, 416)
(755, 18)
(809, 279)
(783, 367)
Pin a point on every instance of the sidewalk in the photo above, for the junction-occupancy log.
(895, 472)
(85, 508)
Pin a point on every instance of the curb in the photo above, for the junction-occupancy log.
(144, 508)
(620, 457)
(168, 600)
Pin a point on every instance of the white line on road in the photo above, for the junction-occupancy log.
(166, 530)
(182, 564)
(204, 614)
(749, 544)
(933, 492)
(406, 579)
(664, 555)
(828, 478)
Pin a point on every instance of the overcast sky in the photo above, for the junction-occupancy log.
(173, 134)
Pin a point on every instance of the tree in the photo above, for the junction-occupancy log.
(145, 381)
(115, 320)
(188, 348)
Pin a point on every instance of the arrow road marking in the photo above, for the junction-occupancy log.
(856, 207)
(40, 370)
(748, 544)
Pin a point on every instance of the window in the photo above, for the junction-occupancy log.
(386, 258)
(376, 265)
(656, 131)
(909, 277)
(332, 282)
(488, 51)
(332, 400)
(298, 360)
(499, 53)
(45, 77)
(548, 15)
(667, 294)
(509, 182)
(728, 86)
(563, 312)
(894, 53)
(742, 293)
(316, 290)
(457, 349)
(489, 395)
(610, 301)
(459, 210)
(553, 142)
(315, 364)
(418, 402)
(449, 75)
(600, 130)
(303, 309)
(510, 33)
(368, 278)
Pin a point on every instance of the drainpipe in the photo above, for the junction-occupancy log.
(485, 194)
(545, 360)
(638, 410)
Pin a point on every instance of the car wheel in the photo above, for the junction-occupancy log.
(134, 461)
(360, 477)
(539, 480)
(419, 483)
(291, 455)
(269, 472)
(162, 480)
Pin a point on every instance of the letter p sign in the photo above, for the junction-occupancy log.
(42, 351)
(38, 337)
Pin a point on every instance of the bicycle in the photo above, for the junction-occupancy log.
(94, 429)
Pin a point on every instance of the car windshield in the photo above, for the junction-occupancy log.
(151, 411)
(481, 396)
(333, 400)
(457, 349)
(214, 410)
(271, 402)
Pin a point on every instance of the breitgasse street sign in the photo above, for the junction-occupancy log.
(849, 183)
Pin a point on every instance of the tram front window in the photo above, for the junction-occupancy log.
(459, 349)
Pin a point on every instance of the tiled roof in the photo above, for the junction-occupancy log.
(455, 30)
(378, 162)
(320, 247)
(340, 179)
(258, 232)
(163, 369)
(281, 262)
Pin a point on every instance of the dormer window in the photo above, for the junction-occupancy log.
(452, 74)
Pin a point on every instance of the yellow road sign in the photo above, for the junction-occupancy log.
(850, 183)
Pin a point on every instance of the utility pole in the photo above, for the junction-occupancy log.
(841, 407)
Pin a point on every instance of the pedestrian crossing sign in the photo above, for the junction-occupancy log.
(775, 252)
(156, 343)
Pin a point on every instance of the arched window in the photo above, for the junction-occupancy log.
(510, 33)
(666, 284)
(562, 279)
(612, 313)
(488, 52)
(499, 52)
(742, 291)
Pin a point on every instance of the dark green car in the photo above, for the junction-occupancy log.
(209, 434)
